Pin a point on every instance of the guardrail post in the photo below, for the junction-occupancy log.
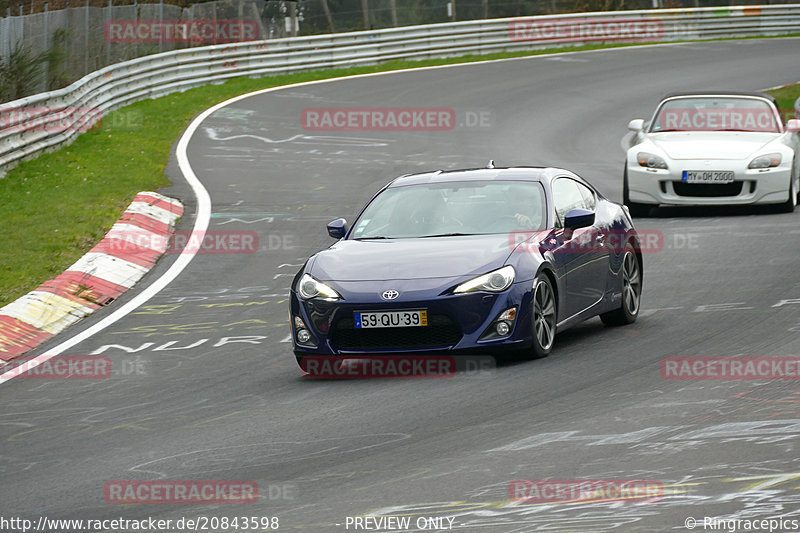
(45, 48)
(293, 18)
(86, 38)
(365, 13)
(108, 44)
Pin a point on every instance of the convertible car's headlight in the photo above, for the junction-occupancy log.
(648, 160)
(765, 161)
(311, 288)
(495, 281)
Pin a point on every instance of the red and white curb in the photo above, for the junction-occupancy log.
(126, 253)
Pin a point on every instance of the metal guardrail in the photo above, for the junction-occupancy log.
(46, 121)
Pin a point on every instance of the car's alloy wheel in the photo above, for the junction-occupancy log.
(544, 316)
(631, 292)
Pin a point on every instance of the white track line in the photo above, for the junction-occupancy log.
(204, 200)
(200, 226)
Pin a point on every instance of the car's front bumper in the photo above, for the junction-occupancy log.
(750, 186)
(457, 324)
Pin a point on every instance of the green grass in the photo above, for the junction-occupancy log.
(786, 97)
(56, 207)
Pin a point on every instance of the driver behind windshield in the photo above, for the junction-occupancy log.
(526, 208)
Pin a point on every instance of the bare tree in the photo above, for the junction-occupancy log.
(328, 17)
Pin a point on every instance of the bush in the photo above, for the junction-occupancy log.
(20, 73)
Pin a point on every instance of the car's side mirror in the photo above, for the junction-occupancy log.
(793, 125)
(636, 124)
(578, 218)
(337, 228)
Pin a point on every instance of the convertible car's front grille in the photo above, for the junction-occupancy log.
(707, 190)
(441, 332)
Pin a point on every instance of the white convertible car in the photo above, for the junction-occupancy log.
(713, 149)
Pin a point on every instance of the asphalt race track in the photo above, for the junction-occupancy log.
(205, 386)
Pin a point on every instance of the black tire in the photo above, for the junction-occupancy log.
(791, 203)
(634, 208)
(543, 316)
(631, 274)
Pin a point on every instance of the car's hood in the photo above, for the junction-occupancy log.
(433, 257)
(711, 145)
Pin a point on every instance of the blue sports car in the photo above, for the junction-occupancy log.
(465, 261)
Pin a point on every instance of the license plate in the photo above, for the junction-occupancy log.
(392, 319)
(707, 176)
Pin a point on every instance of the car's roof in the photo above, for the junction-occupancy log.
(746, 94)
(520, 173)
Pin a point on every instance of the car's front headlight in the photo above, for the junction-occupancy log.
(649, 160)
(765, 161)
(495, 281)
(311, 288)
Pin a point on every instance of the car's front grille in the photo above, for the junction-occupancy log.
(441, 332)
(707, 190)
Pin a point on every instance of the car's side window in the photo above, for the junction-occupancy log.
(589, 201)
(566, 197)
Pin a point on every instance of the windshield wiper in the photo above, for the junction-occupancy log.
(447, 235)
(746, 131)
(376, 237)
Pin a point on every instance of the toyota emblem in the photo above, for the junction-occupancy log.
(391, 294)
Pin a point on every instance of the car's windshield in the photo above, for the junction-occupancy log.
(453, 208)
(715, 114)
